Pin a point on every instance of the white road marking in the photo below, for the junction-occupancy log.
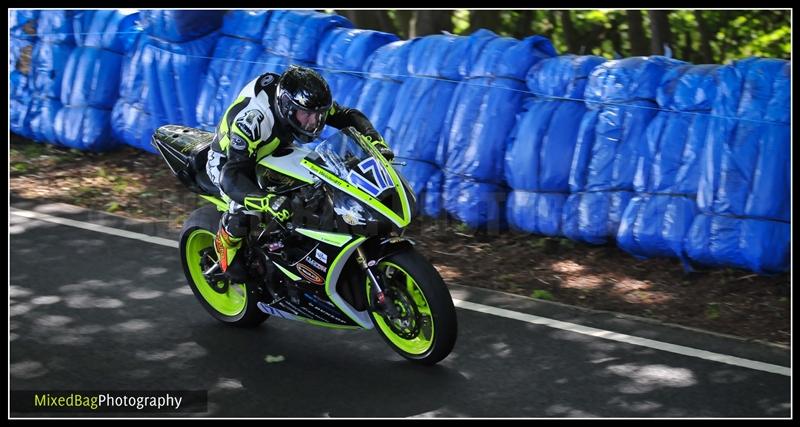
(467, 305)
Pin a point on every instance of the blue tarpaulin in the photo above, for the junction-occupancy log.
(539, 154)
(620, 97)
(484, 110)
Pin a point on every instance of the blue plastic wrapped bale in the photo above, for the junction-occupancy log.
(628, 79)
(178, 26)
(22, 23)
(114, 30)
(132, 125)
(227, 73)
(487, 104)
(85, 128)
(386, 69)
(507, 57)
(268, 62)
(174, 77)
(621, 98)
(594, 217)
(297, 34)
(18, 103)
(246, 24)
(669, 161)
(537, 213)
(656, 225)
(18, 85)
(419, 175)
(47, 68)
(484, 110)
(91, 78)
(341, 57)
(133, 86)
(415, 126)
(563, 76)
(20, 53)
(746, 160)
(481, 122)
(761, 246)
(479, 205)
(434, 65)
(669, 164)
(41, 118)
(17, 116)
(542, 144)
(55, 26)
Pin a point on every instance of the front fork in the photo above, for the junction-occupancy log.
(380, 297)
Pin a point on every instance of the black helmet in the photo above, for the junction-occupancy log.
(303, 99)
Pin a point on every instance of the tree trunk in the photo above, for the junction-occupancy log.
(659, 27)
(705, 38)
(688, 54)
(636, 33)
(402, 22)
(615, 36)
(370, 19)
(570, 35)
(489, 19)
(522, 28)
(425, 22)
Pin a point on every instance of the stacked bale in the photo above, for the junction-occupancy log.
(165, 72)
(22, 39)
(539, 155)
(49, 55)
(484, 111)
(658, 216)
(435, 66)
(92, 74)
(620, 97)
(743, 194)
(231, 67)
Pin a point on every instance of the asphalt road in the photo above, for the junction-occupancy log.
(93, 311)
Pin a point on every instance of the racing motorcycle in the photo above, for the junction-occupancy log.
(338, 259)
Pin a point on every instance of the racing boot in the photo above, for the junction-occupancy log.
(226, 246)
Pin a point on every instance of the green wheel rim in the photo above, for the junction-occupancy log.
(231, 303)
(423, 341)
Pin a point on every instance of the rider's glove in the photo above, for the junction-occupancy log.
(380, 144)
(271, 204)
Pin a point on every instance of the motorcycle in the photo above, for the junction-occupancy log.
(338, 260)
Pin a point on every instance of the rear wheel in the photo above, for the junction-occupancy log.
(423, 327)
(230, 303)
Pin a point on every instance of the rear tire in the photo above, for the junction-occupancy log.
(238, 305)
(427, 331)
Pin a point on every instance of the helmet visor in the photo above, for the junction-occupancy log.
(307, 122)
(310, 121)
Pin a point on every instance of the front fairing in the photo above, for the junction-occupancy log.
(368, 195)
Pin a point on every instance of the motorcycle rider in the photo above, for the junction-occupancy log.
(270, 111)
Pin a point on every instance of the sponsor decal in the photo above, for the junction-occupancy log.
(250, 124)
(316, 265)
(351, 216)
(382, 181)
(237, 143)
(309, 274)
(321, 256)
(266, 80)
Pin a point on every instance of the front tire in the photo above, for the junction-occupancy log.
(425, 330)
(233, 304)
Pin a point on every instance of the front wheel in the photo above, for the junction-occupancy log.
(423, 327)
(231, 303)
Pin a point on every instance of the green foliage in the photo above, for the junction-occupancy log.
(730, 34)
(712, 311)
(542, 294)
